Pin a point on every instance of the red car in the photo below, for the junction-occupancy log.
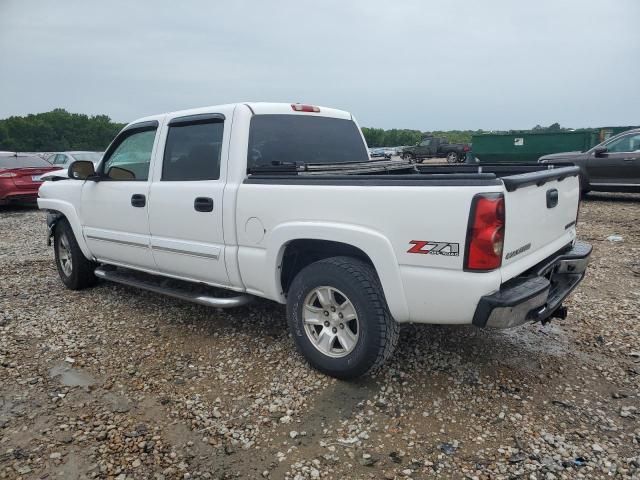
(20, 178)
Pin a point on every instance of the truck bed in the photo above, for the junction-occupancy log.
(375, 173)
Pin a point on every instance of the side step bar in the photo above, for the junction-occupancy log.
(170, 287)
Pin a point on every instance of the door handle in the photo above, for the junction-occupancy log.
(138, 200)
(628, 160)
(203, 204)
(552, 198)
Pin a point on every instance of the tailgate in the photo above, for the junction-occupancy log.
(540, 215)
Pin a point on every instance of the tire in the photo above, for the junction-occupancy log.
(408, 156)
(360, 317)
(584, 186)
(452, 157)
(76, 272)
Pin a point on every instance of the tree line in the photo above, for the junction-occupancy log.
(60, 130)
(57, 130)
(378, 137)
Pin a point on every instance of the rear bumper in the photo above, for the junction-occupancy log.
(538, 293)
(19, 196)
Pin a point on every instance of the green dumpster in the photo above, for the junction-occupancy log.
(528, 146)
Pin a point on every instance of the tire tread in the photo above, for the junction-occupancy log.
(82, 275)
(367, 280)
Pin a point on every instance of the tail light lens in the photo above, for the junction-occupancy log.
(485, 232)
(8, 175)
(466, 148)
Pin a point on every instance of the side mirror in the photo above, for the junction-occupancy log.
(81, 170)
(599, 151)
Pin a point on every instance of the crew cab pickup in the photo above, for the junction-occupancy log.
(436, 147)
(222, 204)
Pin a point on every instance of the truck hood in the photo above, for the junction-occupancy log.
(561, 156)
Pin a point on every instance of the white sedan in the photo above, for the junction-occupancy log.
(64, 159)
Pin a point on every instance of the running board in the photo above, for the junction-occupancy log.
(173, 288)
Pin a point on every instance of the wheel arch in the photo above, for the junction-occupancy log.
(57, 211)
(293, 246)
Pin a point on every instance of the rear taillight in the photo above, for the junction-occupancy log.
(485, 232)
(466, 148)
(8, 175)
(299, 107)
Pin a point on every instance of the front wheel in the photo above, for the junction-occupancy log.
(75, 271)
(339, 317)
(408, 156)
(452, 157)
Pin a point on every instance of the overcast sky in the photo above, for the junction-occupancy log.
(453, 64)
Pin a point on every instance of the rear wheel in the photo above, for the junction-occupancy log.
(75, 271)
(408, 156)
(339, 317)
(452, 157)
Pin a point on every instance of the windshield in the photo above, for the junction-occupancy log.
(23, 162)
(94, 157)
(297, 138)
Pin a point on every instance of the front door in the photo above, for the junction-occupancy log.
(620, 164)
(114, 210)
(185, 213)
(424, 148)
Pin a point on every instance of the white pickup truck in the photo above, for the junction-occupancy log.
(282, 201)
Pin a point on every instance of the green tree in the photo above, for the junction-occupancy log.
(57, 130)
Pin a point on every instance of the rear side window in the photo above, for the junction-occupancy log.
(277, 139)
(192, 151)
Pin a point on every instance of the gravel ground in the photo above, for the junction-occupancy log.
(112, 382)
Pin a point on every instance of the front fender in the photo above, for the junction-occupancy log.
(70, 213)
(375, 245)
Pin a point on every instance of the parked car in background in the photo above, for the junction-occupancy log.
(62, 160)
(379, 153)
(612, 166)
(21, 177)
(436, 147)
(391, 151)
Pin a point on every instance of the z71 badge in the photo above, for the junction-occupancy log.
(435, 248)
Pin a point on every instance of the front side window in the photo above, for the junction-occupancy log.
(630, 143)
(193, 151)
(281, 139)
(131, 158)
(425, 143)
(59, 159)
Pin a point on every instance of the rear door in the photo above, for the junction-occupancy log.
(539, 220)
(185, 216)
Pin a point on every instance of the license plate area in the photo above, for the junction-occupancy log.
(36, 178)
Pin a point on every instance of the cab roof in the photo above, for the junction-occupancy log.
(257, 108)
